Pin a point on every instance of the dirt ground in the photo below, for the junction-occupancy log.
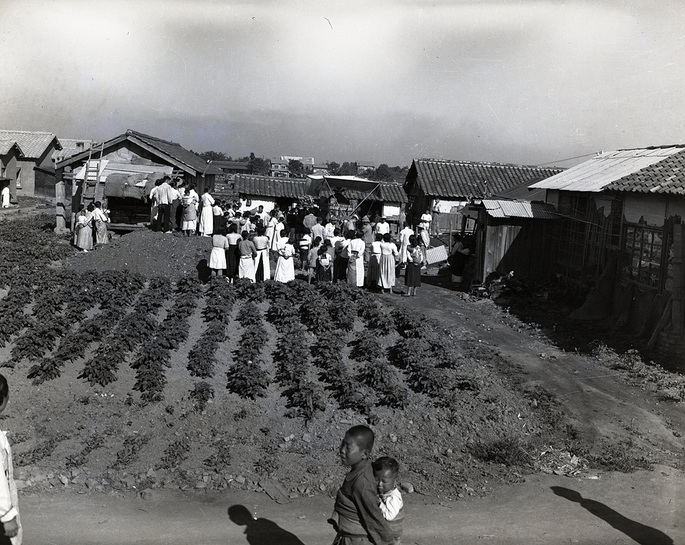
(70, 494)
(598, 507)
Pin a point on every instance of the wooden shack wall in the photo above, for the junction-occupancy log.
(517, 244)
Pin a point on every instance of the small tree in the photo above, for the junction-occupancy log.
(213, 156)
(296, 168)
(333, 168)
(257, 165)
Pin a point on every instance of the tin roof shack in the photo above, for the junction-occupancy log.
(136, 157)
(33, 172)
(622, 237)
(454, 183)
(512, 236)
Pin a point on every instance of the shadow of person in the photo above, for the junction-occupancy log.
(640, 533)
(260, 531)
(203, 271)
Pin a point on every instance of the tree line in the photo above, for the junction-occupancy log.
(260, 166)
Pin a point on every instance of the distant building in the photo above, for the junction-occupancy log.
(232, 167)
(279, 169)
(32, 171)
(365, 166)
(70, 146)
(307, 162)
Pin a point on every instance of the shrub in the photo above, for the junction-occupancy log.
(247, 379)
(201, 394)
(508, 450)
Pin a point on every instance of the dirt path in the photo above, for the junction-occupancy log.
(646, 507)
(598, 400)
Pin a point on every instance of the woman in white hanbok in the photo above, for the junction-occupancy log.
(207, 214)
(285, 266)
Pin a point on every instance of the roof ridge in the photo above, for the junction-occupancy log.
(155, 138)
(26, 132)
(487, 163)
(664, 146)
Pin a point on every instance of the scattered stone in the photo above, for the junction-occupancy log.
(200, 485)
(91, 483)
(240, 479)
(307, 438)
(274, 490)
(20, 484)
(407, 487)
(147, 494)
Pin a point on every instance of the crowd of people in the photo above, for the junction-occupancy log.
(90, 228)
(259, 245)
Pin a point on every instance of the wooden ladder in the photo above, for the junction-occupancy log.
(93, 188)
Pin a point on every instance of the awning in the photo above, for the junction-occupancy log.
(341, 184)
(136, 186)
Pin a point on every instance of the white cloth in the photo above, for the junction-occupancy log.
(355, 266)
(390, 503)
(389, 252)
(6, 197)
(246, 268)
(165, 193)
(9, 503)
(271, 229)
(285, 267)
(207, 215)
(217, 259)
(382, 227)
(404, 242)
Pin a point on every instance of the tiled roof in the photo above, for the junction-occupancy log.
(176, 151)
(6, 145)
(232, 165)
(70, 146)
(519, 209)
(624, 170)
(666, 176)
(466, 179)
(267, 186)
(32, 143)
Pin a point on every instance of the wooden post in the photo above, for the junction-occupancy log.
(678, 284)
(60, 208)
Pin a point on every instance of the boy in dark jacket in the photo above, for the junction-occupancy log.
(357, 517)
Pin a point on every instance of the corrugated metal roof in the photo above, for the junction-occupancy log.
(32, 143)
(466, 179)
(519, 209)
(607, 168)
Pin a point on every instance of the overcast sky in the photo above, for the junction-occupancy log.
(386, 81)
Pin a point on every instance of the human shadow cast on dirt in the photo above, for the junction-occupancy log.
(261, 531)
(204, 273)
(640, 533)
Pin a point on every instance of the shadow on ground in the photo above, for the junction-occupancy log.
(261, 531)
(640, 533)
